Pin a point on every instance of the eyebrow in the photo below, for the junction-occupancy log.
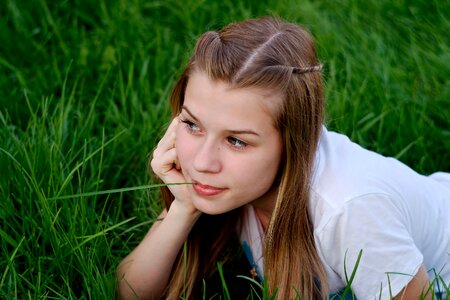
(230, 131)
(189, 112)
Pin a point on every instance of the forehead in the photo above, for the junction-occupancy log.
(213, 95)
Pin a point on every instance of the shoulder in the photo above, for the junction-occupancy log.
(341, 164)
(360, 235)
(356, 213)
(365, 203)
(344, 172)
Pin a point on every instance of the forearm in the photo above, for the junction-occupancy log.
(147, 269)
(418, 287)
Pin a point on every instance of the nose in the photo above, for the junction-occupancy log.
(207, 159)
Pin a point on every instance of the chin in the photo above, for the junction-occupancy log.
(210, 208)
(211, 212)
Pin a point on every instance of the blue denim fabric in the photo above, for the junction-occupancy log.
(350, 296)
(339, 296)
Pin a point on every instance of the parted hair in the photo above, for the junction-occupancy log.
(272, 54)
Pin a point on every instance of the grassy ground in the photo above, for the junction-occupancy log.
(83, 89)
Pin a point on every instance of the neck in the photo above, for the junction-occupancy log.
(265, 205)
(263, 217)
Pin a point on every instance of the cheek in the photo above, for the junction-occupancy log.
(270, 166)
(258, 172)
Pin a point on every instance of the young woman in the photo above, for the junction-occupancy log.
(247, 138)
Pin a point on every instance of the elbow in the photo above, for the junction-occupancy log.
(124, 290)
(129, 288)
(124, 286)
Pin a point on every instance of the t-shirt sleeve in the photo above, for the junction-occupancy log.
(377, 227)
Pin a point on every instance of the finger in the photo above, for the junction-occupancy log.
(172, 126)
(163, 164)
(165, 144)
(177, 164)
(168, 140)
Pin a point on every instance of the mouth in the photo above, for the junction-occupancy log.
(207, 190)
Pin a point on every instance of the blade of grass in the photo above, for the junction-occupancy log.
(352, 276)
(10, 261)
(224, 284)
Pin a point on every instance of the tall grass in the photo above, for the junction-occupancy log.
(83, 89)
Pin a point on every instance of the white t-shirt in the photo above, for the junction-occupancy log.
(362, 201)
(398, 218)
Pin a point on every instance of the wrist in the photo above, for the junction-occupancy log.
(183, 212)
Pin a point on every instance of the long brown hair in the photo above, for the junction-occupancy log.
(272, 54)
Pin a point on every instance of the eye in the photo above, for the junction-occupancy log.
(190, 126)
(236, 143)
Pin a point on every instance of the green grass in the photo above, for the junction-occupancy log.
(83, 89)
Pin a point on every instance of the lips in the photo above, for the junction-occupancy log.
(207, 190)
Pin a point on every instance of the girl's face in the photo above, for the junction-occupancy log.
(228, 146)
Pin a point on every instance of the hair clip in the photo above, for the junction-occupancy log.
(304, 70)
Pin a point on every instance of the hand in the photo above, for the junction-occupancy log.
(166, 166)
